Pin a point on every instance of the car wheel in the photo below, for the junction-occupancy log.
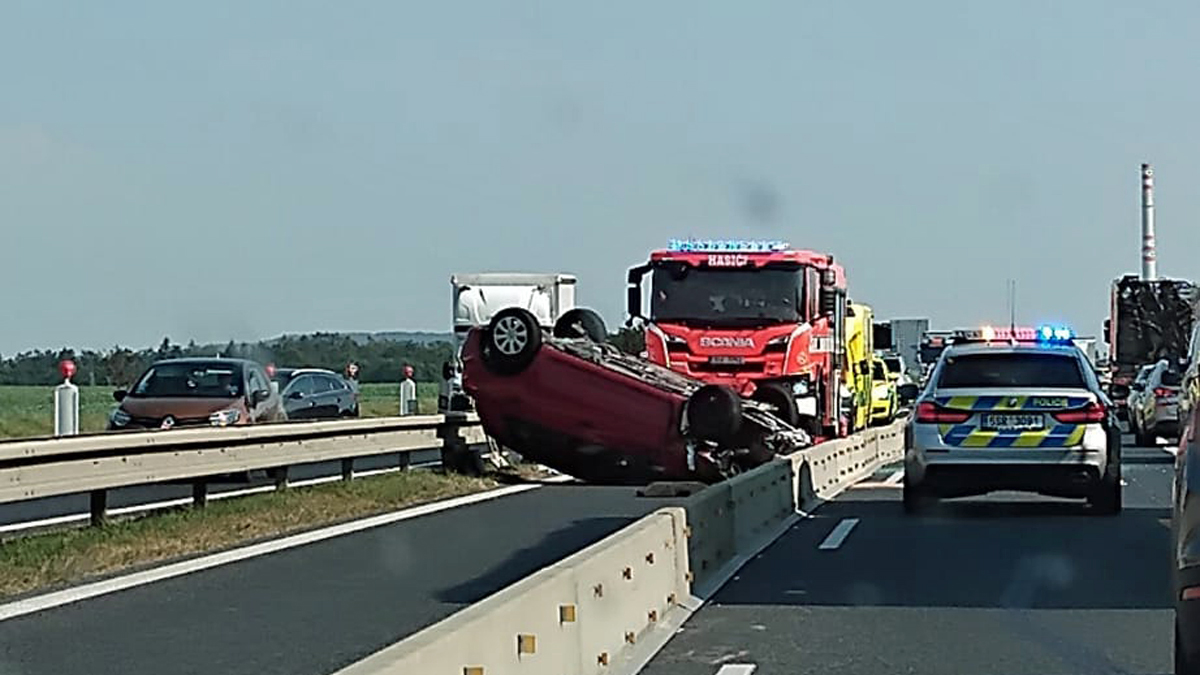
(1107, 497)
(581, 323)
(1183, 665)
(714, 413)
(1140, 437)
(511, 341)
(916, 500)
(780, 399)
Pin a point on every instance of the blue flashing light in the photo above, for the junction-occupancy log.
(1055, 334)
(726, 245)
(1041, 334)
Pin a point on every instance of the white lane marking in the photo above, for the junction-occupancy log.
(737, 669)
(184, 501)
(895, 478)
(67, 596)
(838, 534)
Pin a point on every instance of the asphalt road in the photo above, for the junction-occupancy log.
(43, 512)
(319, 607)
(1000, 585)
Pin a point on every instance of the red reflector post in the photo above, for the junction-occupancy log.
(1094, 412)
(928, 411)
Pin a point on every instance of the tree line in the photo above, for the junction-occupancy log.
(379, 360)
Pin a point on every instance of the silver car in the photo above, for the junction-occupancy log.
(1154, 403)
(1013, 416)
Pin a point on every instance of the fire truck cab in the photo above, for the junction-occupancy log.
(757, 316)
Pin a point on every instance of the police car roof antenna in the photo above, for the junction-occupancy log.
(1012, 311)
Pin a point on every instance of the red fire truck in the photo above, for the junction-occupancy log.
(758, 316)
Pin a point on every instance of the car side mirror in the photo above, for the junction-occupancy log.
(908, 392)
(119, 395)
(633, 301)
(296, 395)
(260, 396)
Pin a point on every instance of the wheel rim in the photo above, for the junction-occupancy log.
(510, 336)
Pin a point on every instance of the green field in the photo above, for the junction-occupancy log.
(29, 411)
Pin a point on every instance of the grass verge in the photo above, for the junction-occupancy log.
(53, 559)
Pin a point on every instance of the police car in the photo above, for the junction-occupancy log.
(1013, 409)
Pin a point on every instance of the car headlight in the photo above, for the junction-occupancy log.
(674, 339)
(800, 388)
(223, 418)
(778, 339)
(118, 417)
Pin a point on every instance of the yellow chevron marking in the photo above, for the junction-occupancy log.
(978, 439)
(1030, 439)
(963, 402)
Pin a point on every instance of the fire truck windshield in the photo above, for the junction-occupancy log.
(742, 296)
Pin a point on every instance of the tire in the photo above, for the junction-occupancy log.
(809, 425)
(1140, 437)
(1107, 498)
(581, 323)
(511, 341)
(1183, 665)
(714, 413)
(777, 396)
(916, 500)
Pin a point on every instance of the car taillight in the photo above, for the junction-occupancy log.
(932, 412)
(1163, 391)
(1094, 412)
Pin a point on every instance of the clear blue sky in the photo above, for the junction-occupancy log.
(242, 169)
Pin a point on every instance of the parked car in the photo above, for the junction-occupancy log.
(316, 393)
(586, 409)
(197, 392)
(1154, 403)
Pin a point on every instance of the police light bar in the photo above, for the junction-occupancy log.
(726, 245)
(1043, 334)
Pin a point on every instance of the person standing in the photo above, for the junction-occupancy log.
(408, 392)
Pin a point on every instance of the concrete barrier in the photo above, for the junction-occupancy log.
(760, 500)
(610, 607)
(586, 614)
(711, 538)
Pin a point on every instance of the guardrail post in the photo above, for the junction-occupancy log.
(405, 460)
(99, 507)
(454, 447)
(199, 493)
(348, 468)
(280, 475)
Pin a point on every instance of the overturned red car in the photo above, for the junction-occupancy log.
(574, 403)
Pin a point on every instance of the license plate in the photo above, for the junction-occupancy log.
(727, 360)
(1010, 422)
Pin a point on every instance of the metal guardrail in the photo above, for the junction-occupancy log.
(37, 468)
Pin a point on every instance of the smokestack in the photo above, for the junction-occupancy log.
(1149, 248)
